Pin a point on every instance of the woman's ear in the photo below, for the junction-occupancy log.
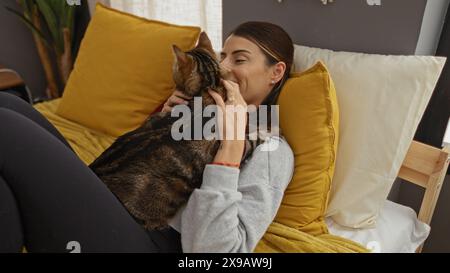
(278, 72)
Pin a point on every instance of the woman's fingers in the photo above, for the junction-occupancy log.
(166, 109)
(217, 98)
(233, 92)
(174, 100)
(181, 95)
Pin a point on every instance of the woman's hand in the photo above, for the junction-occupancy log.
(176, 98)
(233, 123)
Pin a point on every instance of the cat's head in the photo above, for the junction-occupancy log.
(196, 69)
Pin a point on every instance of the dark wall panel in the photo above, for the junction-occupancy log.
(352, 25)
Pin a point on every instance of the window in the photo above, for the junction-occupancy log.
(206, 14)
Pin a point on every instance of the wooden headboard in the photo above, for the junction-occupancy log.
(426, 166)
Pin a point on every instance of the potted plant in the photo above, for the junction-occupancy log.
(52, 26)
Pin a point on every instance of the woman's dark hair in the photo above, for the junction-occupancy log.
(276, 45)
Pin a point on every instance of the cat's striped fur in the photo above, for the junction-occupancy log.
(152, 174)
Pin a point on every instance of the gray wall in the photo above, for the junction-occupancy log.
(396, 27)
(352, 25)
(18, 51)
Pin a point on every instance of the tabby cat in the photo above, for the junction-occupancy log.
(152, 174)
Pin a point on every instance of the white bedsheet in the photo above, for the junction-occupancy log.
(397, 231)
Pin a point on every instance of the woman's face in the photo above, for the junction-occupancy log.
(247, 65)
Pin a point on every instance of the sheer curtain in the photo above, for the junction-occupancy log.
(206, 14)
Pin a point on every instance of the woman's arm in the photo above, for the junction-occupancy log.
(232, 123)
(230, 152)
(233, 208)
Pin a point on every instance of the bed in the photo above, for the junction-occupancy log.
(399, 229)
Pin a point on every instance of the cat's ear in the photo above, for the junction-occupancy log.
(205, 42)
(180, 56)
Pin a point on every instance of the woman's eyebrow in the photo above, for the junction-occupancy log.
(240, 51)
(223, 54)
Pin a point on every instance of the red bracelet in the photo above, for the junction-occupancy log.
(235, 165)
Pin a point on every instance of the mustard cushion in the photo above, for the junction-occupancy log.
(309, 119)
(88, 144)
(123, 71)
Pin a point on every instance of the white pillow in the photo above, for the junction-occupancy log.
(381, 101)
(397, 231)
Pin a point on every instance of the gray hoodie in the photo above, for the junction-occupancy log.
(233, 208)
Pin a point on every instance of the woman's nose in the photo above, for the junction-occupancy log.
(226, 73)
(226, 69)
(225, 65)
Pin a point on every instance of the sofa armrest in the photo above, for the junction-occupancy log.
(9, 79)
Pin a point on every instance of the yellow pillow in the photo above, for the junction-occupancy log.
(123, 71)
(309, 119)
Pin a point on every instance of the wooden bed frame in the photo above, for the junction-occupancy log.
(426, 166)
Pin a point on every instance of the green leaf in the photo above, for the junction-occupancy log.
(52, 23)
(57, 9)
(67, 18)
(30, 25)
(25, 5)
(70, 21)
(67, 15)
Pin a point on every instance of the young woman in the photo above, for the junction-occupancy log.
(52, 207)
